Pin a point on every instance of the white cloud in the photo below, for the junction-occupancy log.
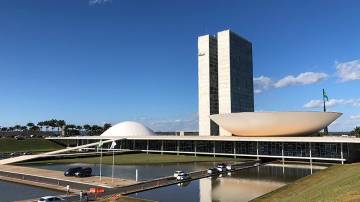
(302, 79)
(332, 103)
(355, 117)
(94, 2)
(261, 83)
(348, 71)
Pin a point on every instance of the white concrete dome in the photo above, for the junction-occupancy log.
(128, 128)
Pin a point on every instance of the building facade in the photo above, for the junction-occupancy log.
(208, 84)
(225, 78)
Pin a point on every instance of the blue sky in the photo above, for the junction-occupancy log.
(110, 61)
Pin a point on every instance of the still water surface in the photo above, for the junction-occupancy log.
(13, 192)
(239, 186)
(243, 185)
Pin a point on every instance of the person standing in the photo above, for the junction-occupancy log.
(67, 189)
(81, 195)
(86, 197)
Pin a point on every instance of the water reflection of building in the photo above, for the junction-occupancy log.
(227, 189)
(248, 184)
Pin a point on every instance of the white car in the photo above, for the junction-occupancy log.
(212, 171)
(183, 176)
(178, 172)
(50, 198)
(221, 167)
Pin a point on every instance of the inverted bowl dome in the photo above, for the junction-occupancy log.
(274, 123)
(128, 128)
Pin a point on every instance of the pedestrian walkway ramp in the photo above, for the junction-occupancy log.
(53, 153)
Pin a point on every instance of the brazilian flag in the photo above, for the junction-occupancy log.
(325, 97)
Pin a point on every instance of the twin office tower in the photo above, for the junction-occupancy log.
(225, 78)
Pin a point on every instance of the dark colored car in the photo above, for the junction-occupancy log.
(19, 138)
(72, 171)
(85, 172)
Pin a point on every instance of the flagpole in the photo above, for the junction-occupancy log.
(326, 131)
(100, 161)
(112, 172)
(113, 144)
(324, 100)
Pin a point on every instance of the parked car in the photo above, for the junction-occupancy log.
(72, 171)
(229, 168)
(212, 171)
(221, 167)
(85, 172)
(50, 198)
(183, 176)
(27, 153)
(15, 154)
(178, 172)
(19, 137)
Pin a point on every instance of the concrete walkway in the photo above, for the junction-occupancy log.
(36, 156)
(54, 177)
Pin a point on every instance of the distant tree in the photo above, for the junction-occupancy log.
(60, 124)
(23, 128)
(72, 130)
(40, 125)
(53, 124)
(107, 126)
(17, 128)
(79, 128)
(4, 129)
(35, 128)
(356, 131)
(46, 124)
(96, 130)
(70, 127)
(30, 125)
(87, 128)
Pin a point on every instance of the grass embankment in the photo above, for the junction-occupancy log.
(33, 145)
(337, 183)
(139, 158)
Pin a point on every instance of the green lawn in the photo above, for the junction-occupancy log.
(139, 158)
(337, 183)
(33, 144)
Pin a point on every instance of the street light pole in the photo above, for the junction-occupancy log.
(112, 171)
(100, 161)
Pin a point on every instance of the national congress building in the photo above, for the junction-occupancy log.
(228, 125)
(225, 70)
